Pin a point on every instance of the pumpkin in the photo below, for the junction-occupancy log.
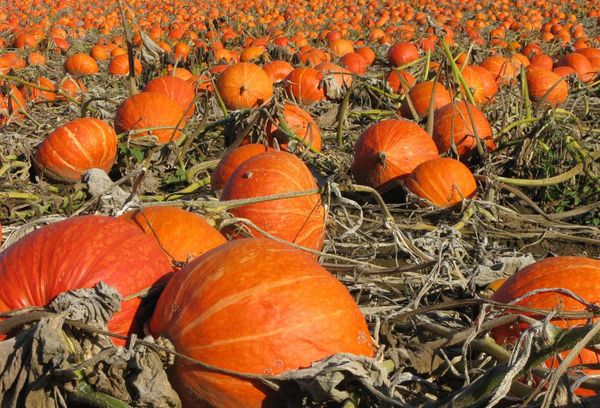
(304, 86)
(501, 68)
(582, 66)
(80, 65)
(442, 181)
(254, 306)
(300, 219)
(396, 79)
(490, 88)
(341, 47)
(182, 92)
(119, 65)
(300, 123)
(12, 105)
(340, 75)
(35, 58)
(78, 253)
(35, 94)
(244, 85)
(99, 53)
(368, 54)
(71, 87)
(420, 96)
(475, 84)
(547, 86)
(452, 126)
(580, 275)
(390, 150)
(355, 62)
(181, 234)
(75, 147)
(402, 53)
(542, 61)
(150, 110)
(278, 70)
(564, 71)
(231, 161)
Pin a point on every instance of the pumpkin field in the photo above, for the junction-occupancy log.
(293, 203)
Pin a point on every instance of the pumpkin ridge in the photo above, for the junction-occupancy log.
(79, 146)
(225, 302)
(60, 158)
(105, 148)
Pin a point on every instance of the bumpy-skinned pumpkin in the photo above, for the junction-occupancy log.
(244, 85)
(254, 306)
(301, 124)
(181, 234)
(304, 85)
(453, 127)
(580, 275)
(390, 150)
(546, 86)
(300, 219)
(150, 110)
(420, 96)
(442, 181)
(79, 253)
(76, 147)
(182, 92)
(80, 65)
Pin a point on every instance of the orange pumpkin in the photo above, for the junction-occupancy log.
(304, 85)
(12, 105)
(147, 113)
(443, 181)
(35, 95)
(402, 53)
(547, 86)
(396, 79)
(501, 68)
(453, 126)
(244, 85)
(182, 92)
(420, 96)
(389, 150)
(231, 161)
(254, 306)
(300, 219)
(75, 147)
(80, 65)
(119, 65)
(278, 70)
(72, 87)
(182, 235)
(300, 123)
(355, 62)
(475, 84)
(582, 66)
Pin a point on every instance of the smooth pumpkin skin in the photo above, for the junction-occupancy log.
(443, 181)
(277, 70)
(402, 53)
(231, 161)
(304, 86)
(396, 78)
(244, 85)
(80, 65)
(390, 150)
(119, 65)
(182, 235)
(420, 96)
(254, 306)
(541, 81)
(501, 68)
(475, 84)
(577, 274)
(355, 62)
(300, 220)
(301, 123)
(78, 253)
(490, 86)
(340, 74)
(75, 147)
(34, 94)
(181, 91)
(149, 110)
(582, 66)
(453, 125)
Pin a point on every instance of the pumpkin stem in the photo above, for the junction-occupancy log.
(381, 158)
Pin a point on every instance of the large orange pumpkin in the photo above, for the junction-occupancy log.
(453, 127)
(400, 81)
(119, 65)
(582, 66)
(278, 70)
(547, 85)
(181, 234)
(79, 253)
(502, 69)
(300, 219)
(182, 92)
(300, 123)
(304, 85)
(390, 150)
(580, 275)
(402, 53)
(231, 161)
(153, 111)
(244, 85)
(420, 96)
(76, 147)
(442, 181)
(254, 306)
(80, 65)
